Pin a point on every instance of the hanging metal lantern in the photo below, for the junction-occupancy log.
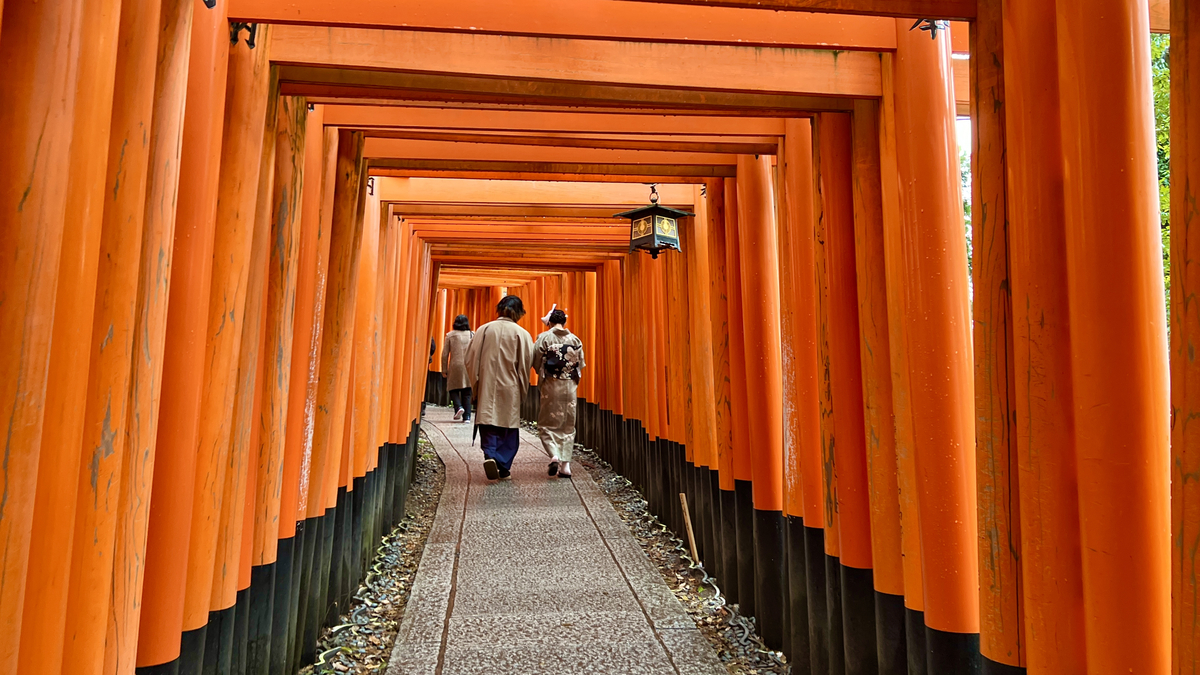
(654, 228)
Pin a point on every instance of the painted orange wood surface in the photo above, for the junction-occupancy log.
(1050, 554)
(177, 483)
(39, 50)
(798, 298)
(1115, 289)
(874, 351)
(758, 249)
(1001, 630)
(239, 267)
(86, 649)
(52, 529)
(937, 330)
(1185, 449)
(736, 68)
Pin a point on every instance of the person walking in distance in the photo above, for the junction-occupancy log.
(498, 364)
(454, 365)
(558, 359)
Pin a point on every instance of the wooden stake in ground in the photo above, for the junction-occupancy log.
(687, 518)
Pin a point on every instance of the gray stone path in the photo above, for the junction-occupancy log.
(536, 575)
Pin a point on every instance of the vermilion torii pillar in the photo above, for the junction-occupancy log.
(1185, 326)
(171, 522)
(1119, 343)
(937, 329)
(1051, 574)
(758, 245)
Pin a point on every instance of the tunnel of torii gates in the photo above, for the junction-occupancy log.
(229, 233)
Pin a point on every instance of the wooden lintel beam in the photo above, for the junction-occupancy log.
(518, 120)
(648, 65)
(518, 170)
(519, 192)
(729, 146)
(321, 82)
(960, 10)
(592, 19)
(536, 176)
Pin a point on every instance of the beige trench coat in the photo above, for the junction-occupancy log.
(498, 365)
(556, 416)
(454, 359)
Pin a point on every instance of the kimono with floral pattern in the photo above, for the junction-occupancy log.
(558, 360)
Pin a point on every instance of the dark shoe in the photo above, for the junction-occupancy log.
(504, 473)
(553, 471)
(490, 469)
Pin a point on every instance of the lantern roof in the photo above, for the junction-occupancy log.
(653, 209)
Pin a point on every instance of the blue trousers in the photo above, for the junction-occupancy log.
(500, 444)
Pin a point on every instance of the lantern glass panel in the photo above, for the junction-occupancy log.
(642, 227)
(665, 226)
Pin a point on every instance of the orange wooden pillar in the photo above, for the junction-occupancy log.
(938, 345)
(902, 407)
(802, 446)
(170, 529)
(1001, 630)
(109, 360)
(240, 158)
(758, 248)
(719, 315)
(44, 614)
(110, 534)
(1185, 321)
(1118, 347)
(233, 331)
(295, 253)
(40, 52)
(703, 443)
(358, 408)
(1051, 572)
(847, 513)
(885, 521)
(242, 578)
(739, 410)
(345, 240)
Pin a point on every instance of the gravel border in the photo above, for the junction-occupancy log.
(362, 641)
(733, 636)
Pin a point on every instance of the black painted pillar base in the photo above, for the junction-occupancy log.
(744, 492)
(191, 651)
(218, 642)
(171, 668)
(858, 621)
(770, 565)
(991, 667)
(818, 600)
(914, 626)
(729, 555)
(891, 642)
(717, 557)
(833, 600)
(241, 630)
(953, 653)
(798, 646)
(258, 629)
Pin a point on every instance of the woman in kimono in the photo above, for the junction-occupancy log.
(454, 365)
(558, 359)
(498, 363)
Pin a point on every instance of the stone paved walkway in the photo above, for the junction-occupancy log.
(536, 575)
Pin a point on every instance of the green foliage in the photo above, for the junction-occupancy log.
(1160, 65)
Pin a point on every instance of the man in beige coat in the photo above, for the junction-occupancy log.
(498, 365)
